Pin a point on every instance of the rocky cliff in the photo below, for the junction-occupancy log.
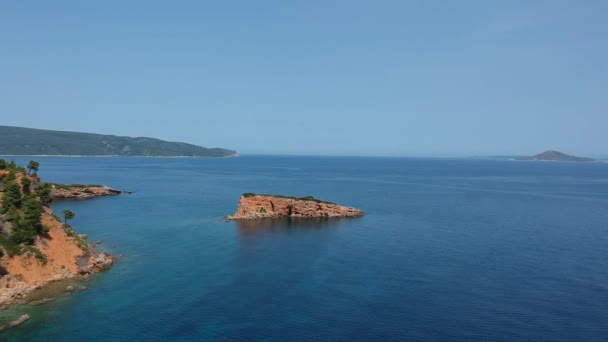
(252, 206)
(64, 255)
(36, 248)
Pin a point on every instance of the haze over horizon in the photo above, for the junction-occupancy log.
(398, 78)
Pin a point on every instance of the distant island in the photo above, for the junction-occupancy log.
(39, 142)
(555, 156)
(257, 206)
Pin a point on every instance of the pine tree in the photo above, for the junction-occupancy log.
(25, 184)
(32, 167)
(12, 196)
(68, 215)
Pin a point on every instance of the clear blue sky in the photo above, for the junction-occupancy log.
(412, 78)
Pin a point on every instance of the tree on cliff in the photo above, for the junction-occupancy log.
(26, 183)
(32, 213)
(12, 196)
(10, 177)
(27, 225)
(32, 167)
(68, 215)
(44, 191)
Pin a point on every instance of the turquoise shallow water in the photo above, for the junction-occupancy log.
(456, 250)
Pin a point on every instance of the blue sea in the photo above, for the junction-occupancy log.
(449, 250)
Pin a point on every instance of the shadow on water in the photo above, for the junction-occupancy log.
(287, 224)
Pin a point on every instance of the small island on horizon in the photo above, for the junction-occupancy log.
(552, 155)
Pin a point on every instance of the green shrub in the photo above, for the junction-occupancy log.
(39, 255)
(45, 229)
(10, 177)
(70, 186)
(25, 236)
(10, 247)
(36, 253)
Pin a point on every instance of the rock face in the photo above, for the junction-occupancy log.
(94, 262)
(82, 192)
(268, 206)
(67, 257)
(57, 253)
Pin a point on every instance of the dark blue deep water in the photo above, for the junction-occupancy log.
(450, 250)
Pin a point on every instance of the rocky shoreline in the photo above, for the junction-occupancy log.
(23, 276)
(39, 253)
(73, 191)
(256, 206)
(17, 287)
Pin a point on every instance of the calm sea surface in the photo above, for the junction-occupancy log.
(450, 250)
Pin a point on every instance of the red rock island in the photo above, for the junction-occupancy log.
(253, 206)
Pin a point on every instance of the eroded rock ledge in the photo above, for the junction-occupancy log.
(77, 191)
(255, 206)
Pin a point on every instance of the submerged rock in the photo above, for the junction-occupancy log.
(18, 321)
(40, 302)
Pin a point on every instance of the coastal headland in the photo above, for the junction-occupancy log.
(37, 249)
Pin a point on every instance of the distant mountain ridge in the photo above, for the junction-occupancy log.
(552, 155)
(31, 141)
